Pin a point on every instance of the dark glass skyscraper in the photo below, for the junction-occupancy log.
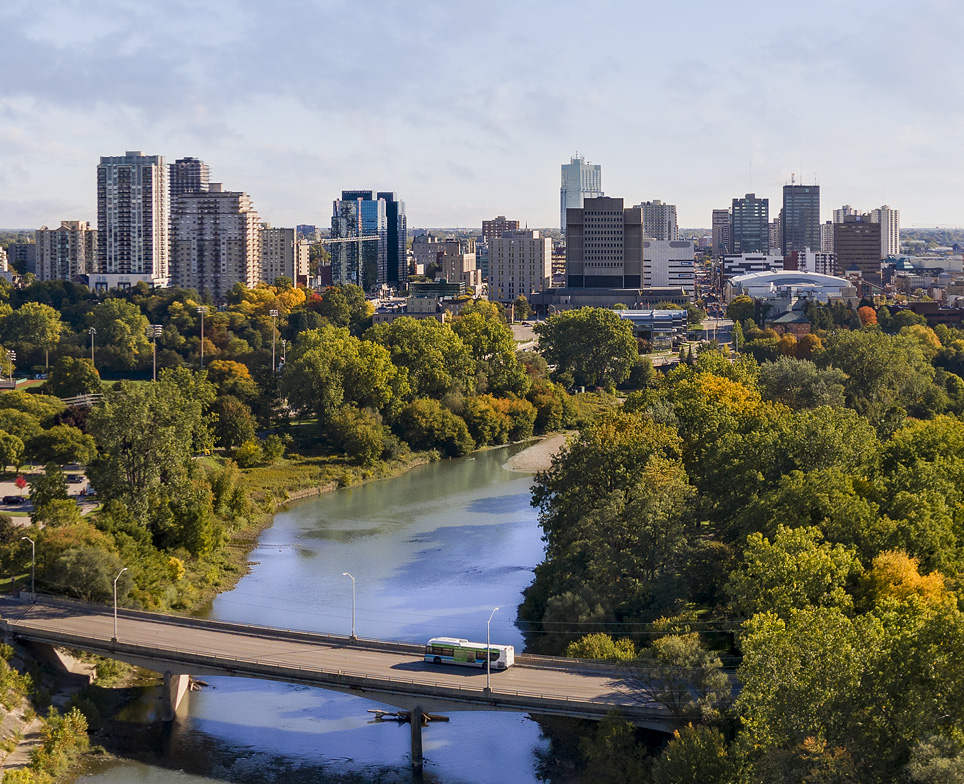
(396, 268)
(801, 218)
(751, 225)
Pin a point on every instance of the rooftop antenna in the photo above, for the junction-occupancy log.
(793, 179)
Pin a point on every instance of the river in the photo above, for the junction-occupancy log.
(432, 552)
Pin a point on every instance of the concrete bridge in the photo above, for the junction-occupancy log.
(387, 672)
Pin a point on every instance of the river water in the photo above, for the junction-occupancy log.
(432, 552)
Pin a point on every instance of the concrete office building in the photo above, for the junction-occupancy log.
(818, 261)
(520, 263)
(669, 263)
(495, 228)
(776, 233)
(580, 181)
(857, 244)
(66, 252)
(604, 245)
(216, 242)
(721, 233)
(133, 217)
(457, 262)
(750, 225)
(189, 175)
(659, 221)
(800, 218)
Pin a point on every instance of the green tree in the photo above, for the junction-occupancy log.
(490, 343)
(589, 346)
(795, 571)
(11, 451)
(424, 424)
(72, 376)
(88, 573)
(345, 306)
(695, 753)
(680, 673)
(435, 359)
(62, 444)
(121, 332)
(522, 309)
(800, 384)
(33, 327)
(48, 487)
(145, 435)
(328, 368)
(741, 309)
(233, 423)
(358, 433)
(601, 646)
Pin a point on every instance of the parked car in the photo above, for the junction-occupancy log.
(76, 479)
(14, 500)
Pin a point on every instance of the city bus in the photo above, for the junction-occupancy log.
(452, 650)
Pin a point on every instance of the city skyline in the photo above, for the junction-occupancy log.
(768, 93)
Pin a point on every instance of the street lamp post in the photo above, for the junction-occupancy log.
(202, 309)
(115, 601)
(274, 332)
(33, 561)
(11, 356)
(345, 574)
(156, 330)
(92, 332)
(488, 655)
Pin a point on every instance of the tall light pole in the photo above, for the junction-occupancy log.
(156, 330)
(92, 332)
(33, 561)
(488, 655)
(115, 601)
(274, 332)
(202, 309)
(345, 574)
(11, 356)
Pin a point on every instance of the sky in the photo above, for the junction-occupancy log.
(468, 109)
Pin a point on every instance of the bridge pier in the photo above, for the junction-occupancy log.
(175, 687)
(415, 719)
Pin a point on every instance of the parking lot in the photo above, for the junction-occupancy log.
(77, 488)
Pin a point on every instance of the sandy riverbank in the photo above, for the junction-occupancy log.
(537, 457)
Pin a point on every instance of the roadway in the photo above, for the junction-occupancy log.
(393, 673)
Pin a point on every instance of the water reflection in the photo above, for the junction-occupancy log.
(432, 552)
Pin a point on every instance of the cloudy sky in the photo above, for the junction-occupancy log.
(467, 109)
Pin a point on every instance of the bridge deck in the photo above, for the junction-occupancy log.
(389, 672)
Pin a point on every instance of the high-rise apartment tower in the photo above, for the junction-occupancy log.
(132, 215)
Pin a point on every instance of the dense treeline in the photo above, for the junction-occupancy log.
(799, 519)
(348, 394)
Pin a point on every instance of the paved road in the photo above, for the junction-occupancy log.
(243, 650)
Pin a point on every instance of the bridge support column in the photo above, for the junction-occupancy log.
(175, 687)
(415, 719)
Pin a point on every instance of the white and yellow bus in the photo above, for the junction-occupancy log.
(452, 650)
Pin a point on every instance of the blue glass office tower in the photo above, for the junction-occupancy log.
(372, 262)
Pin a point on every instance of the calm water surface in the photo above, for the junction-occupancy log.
(432, 552)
